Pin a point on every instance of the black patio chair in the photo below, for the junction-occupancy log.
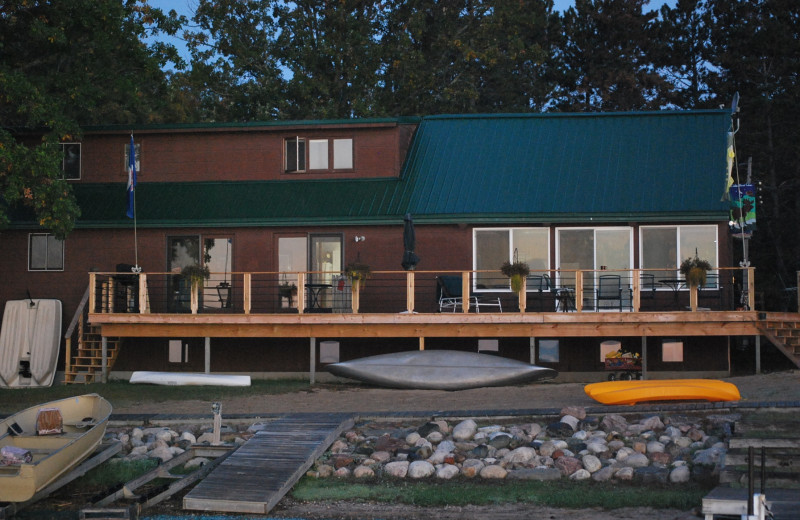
(539, 284)
(609, 288)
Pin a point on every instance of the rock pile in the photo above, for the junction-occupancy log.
(652, 449)
(164, 443)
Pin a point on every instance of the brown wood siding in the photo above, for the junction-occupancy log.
(240, 156)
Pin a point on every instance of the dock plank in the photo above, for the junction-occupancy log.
(260, 472)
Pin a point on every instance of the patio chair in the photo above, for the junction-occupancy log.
(448, 288)
(539, 284)
(609, 288)
(647, 286)
(711, 291)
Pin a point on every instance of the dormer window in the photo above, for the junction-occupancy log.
(318, 155)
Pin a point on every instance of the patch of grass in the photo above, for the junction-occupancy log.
(562, 494)
(117, 471)
(122, 393)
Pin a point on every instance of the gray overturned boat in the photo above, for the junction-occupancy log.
(440, 370)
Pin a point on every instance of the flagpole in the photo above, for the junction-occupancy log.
(132, 201)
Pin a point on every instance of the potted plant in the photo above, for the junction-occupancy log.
(196, 275)
(517, 272)
(694, 270)
(358, 274)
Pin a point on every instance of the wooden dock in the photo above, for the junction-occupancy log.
(783, 503)
(258, 474)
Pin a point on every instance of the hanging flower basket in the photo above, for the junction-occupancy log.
(517, 272)
(357, 272)
(694, 270)
(195, 274)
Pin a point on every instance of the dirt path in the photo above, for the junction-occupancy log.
(781, 386)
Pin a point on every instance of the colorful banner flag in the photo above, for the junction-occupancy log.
(743, 209)
(131, 180)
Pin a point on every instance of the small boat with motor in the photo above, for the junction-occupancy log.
(440, 370)
(632, 392)
(42, 443)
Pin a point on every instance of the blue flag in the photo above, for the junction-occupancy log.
(131, 179)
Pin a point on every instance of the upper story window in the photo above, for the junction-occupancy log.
(71, 161)
(126, 157)
(318, 155)
(45, 252)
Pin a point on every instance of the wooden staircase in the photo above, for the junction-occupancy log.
(778, 437)
(86, 364)
(783, 330)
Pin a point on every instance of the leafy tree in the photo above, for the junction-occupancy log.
(235, 74)
(330, 52)
(63, 65)
(606, 57)
(681, 53)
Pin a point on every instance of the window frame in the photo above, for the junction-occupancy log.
(125, 155)
(63, 147)
(565, 281)
(303, 156)
(46, 267)
(511, 247)
(678, 256)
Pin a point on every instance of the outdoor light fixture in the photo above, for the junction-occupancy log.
(224, 292)
(360, 239)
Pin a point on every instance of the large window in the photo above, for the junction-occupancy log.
(45, 252)
(217, 256)
(495, 246)
(592, 248)
(663, 248)
(71, 161)
(126, 156)
(308, 155)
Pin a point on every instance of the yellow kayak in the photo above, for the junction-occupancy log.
(632, 392)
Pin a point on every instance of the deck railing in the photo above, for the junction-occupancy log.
(631, 290)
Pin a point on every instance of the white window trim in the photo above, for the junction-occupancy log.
(714, 261)
(594, 251)
(510, 231)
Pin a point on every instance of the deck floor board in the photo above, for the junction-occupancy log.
(260, 472)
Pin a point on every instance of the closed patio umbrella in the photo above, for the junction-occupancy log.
(410, 259)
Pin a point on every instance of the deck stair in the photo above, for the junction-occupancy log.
(86, 363)
(783, 331)
(775, 430)
(260, 472)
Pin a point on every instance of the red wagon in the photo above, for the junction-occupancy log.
(625, 367)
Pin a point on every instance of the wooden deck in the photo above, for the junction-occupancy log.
(258, 474)
(506, 324)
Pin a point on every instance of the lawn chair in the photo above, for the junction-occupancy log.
(609, 288)
(449, 292)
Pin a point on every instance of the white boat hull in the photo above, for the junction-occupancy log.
(188, 378)
(29, 343)
(440, 370)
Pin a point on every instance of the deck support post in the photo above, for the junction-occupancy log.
(758, 354)
(644, 357)
(533, 350)
(422, 342)
(312, 357)
(208, 355)
(104, 359)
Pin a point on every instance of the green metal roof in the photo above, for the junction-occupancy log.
(569, 167)
(516, 168)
